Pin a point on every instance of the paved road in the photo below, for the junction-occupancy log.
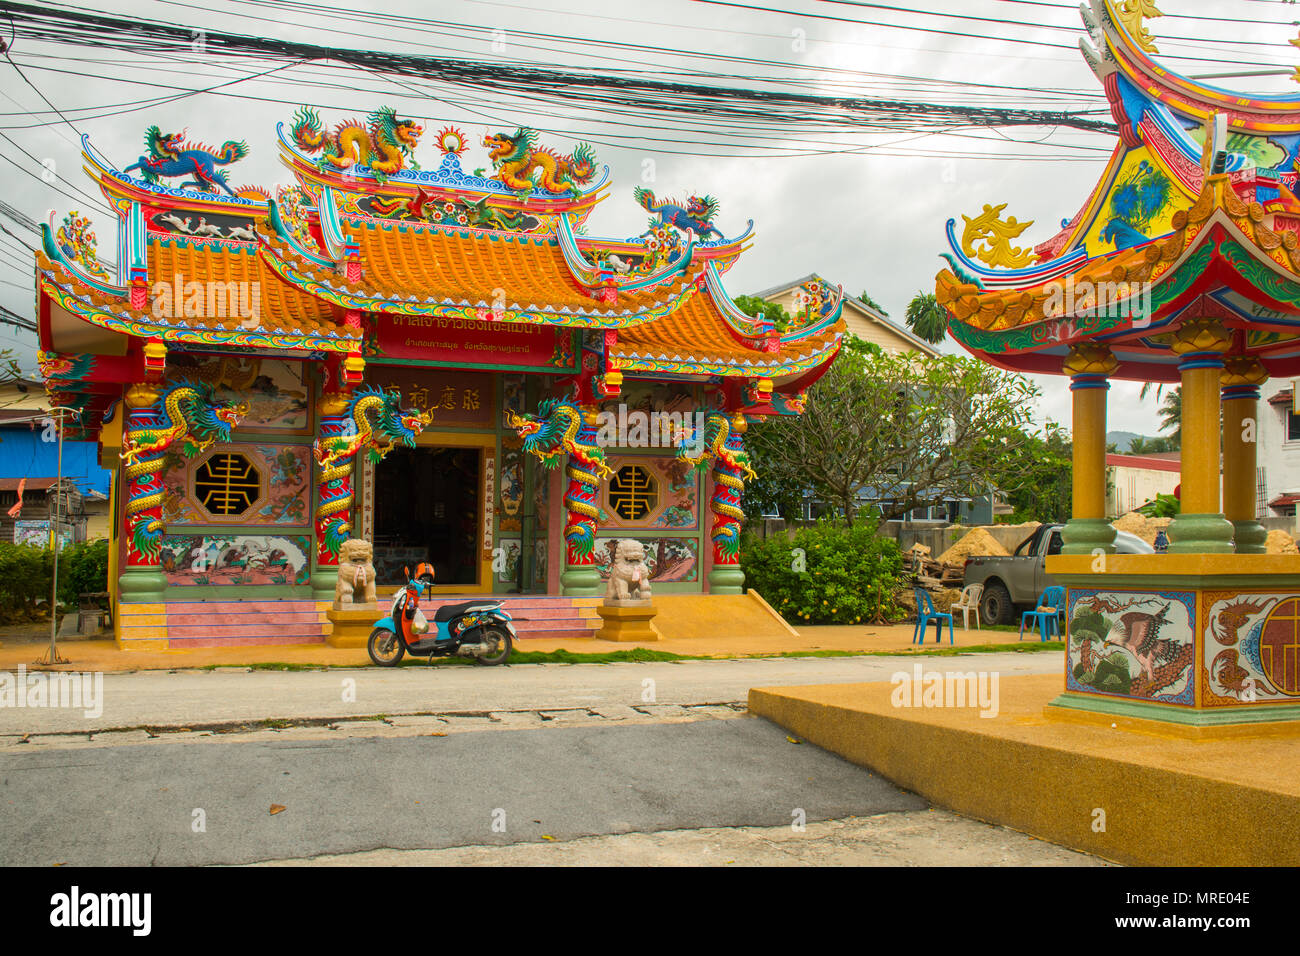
(137, 805)
(578, 767)
(196, 698)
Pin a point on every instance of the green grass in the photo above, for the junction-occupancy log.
(643, 655)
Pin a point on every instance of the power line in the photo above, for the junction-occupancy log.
(640, 92)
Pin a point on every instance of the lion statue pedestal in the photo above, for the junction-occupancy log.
(627, 611)
(356, 606)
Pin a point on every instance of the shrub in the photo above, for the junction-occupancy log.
(847, 570)
(26, 576)
(83, 569)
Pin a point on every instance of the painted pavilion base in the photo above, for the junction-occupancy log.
(627, 621)
(352, 624)
(1198, 640)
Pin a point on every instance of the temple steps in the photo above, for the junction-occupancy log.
(543, 615)
(186, 624)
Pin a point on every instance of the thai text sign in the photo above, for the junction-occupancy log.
(471, 342)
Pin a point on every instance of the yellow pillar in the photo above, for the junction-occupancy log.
(1089, 366)
(1240, 382)
(1200, 527)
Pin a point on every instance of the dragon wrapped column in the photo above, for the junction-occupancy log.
(154, 422)
(721, 442)
(563, 427)
(333, 481)
(346, 427)
(142, 475)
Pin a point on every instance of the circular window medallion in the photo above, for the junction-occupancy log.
(1279, 647)
(227, 484)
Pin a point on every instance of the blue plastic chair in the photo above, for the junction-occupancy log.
(925, 613)
(1044, 621)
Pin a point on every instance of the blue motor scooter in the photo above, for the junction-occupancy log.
(477, 629)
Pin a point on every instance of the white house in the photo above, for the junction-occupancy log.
(1277, 479)
(1133, 480)
(868, 324)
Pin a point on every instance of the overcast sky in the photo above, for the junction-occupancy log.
(863, 209)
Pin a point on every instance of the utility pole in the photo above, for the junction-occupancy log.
(60, 414)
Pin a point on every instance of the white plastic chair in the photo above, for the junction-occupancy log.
(969, 601)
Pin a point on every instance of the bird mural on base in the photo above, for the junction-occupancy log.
(1138, 633)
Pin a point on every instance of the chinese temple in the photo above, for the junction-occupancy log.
(408, 355)
(1181, 266)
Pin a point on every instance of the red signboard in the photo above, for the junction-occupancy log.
(464, 342)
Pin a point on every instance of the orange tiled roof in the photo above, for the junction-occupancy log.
(283, 308)
(468, 267)
(697, 334)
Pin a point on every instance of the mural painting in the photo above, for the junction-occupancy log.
(274, 390)
(670, 559)
(512, 484)
(1251, 648)
(216, 559)
(1136, 644)
(506, 564)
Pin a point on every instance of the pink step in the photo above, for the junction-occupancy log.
(568, 634)
(178, 644)
(238, 607)
(244, 630)
(254, 617)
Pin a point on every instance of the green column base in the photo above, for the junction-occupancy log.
(1086, 535)
(323, 581)
(726, 579)
(581, 580)
(141, 586)
(1200, 534)
(1176, 713)
(1250, 537)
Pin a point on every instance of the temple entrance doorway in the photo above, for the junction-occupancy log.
(427, 508)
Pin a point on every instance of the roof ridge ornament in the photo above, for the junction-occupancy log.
(1131, 13)
(996, 234)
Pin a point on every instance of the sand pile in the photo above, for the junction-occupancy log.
(1140, 525)
(974, 542)
(1134, 523)
(942, 600)
(1279, 542)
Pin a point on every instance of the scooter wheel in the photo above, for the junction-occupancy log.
(386, 648)
(504, 646)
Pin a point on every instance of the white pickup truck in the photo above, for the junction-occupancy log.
(1013, 584)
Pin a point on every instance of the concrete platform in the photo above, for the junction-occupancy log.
(1135, 794)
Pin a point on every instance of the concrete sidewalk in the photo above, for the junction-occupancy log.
(104, 655)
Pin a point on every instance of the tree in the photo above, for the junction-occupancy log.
(1036, 477)
(1150, 446)
(906, 430)
(927, 318)
(1171, 416)
(872, 302)
(753, 305)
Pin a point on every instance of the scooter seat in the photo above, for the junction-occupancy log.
(449, 611)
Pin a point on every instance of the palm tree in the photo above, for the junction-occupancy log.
(1171, 416)
(926, 318)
